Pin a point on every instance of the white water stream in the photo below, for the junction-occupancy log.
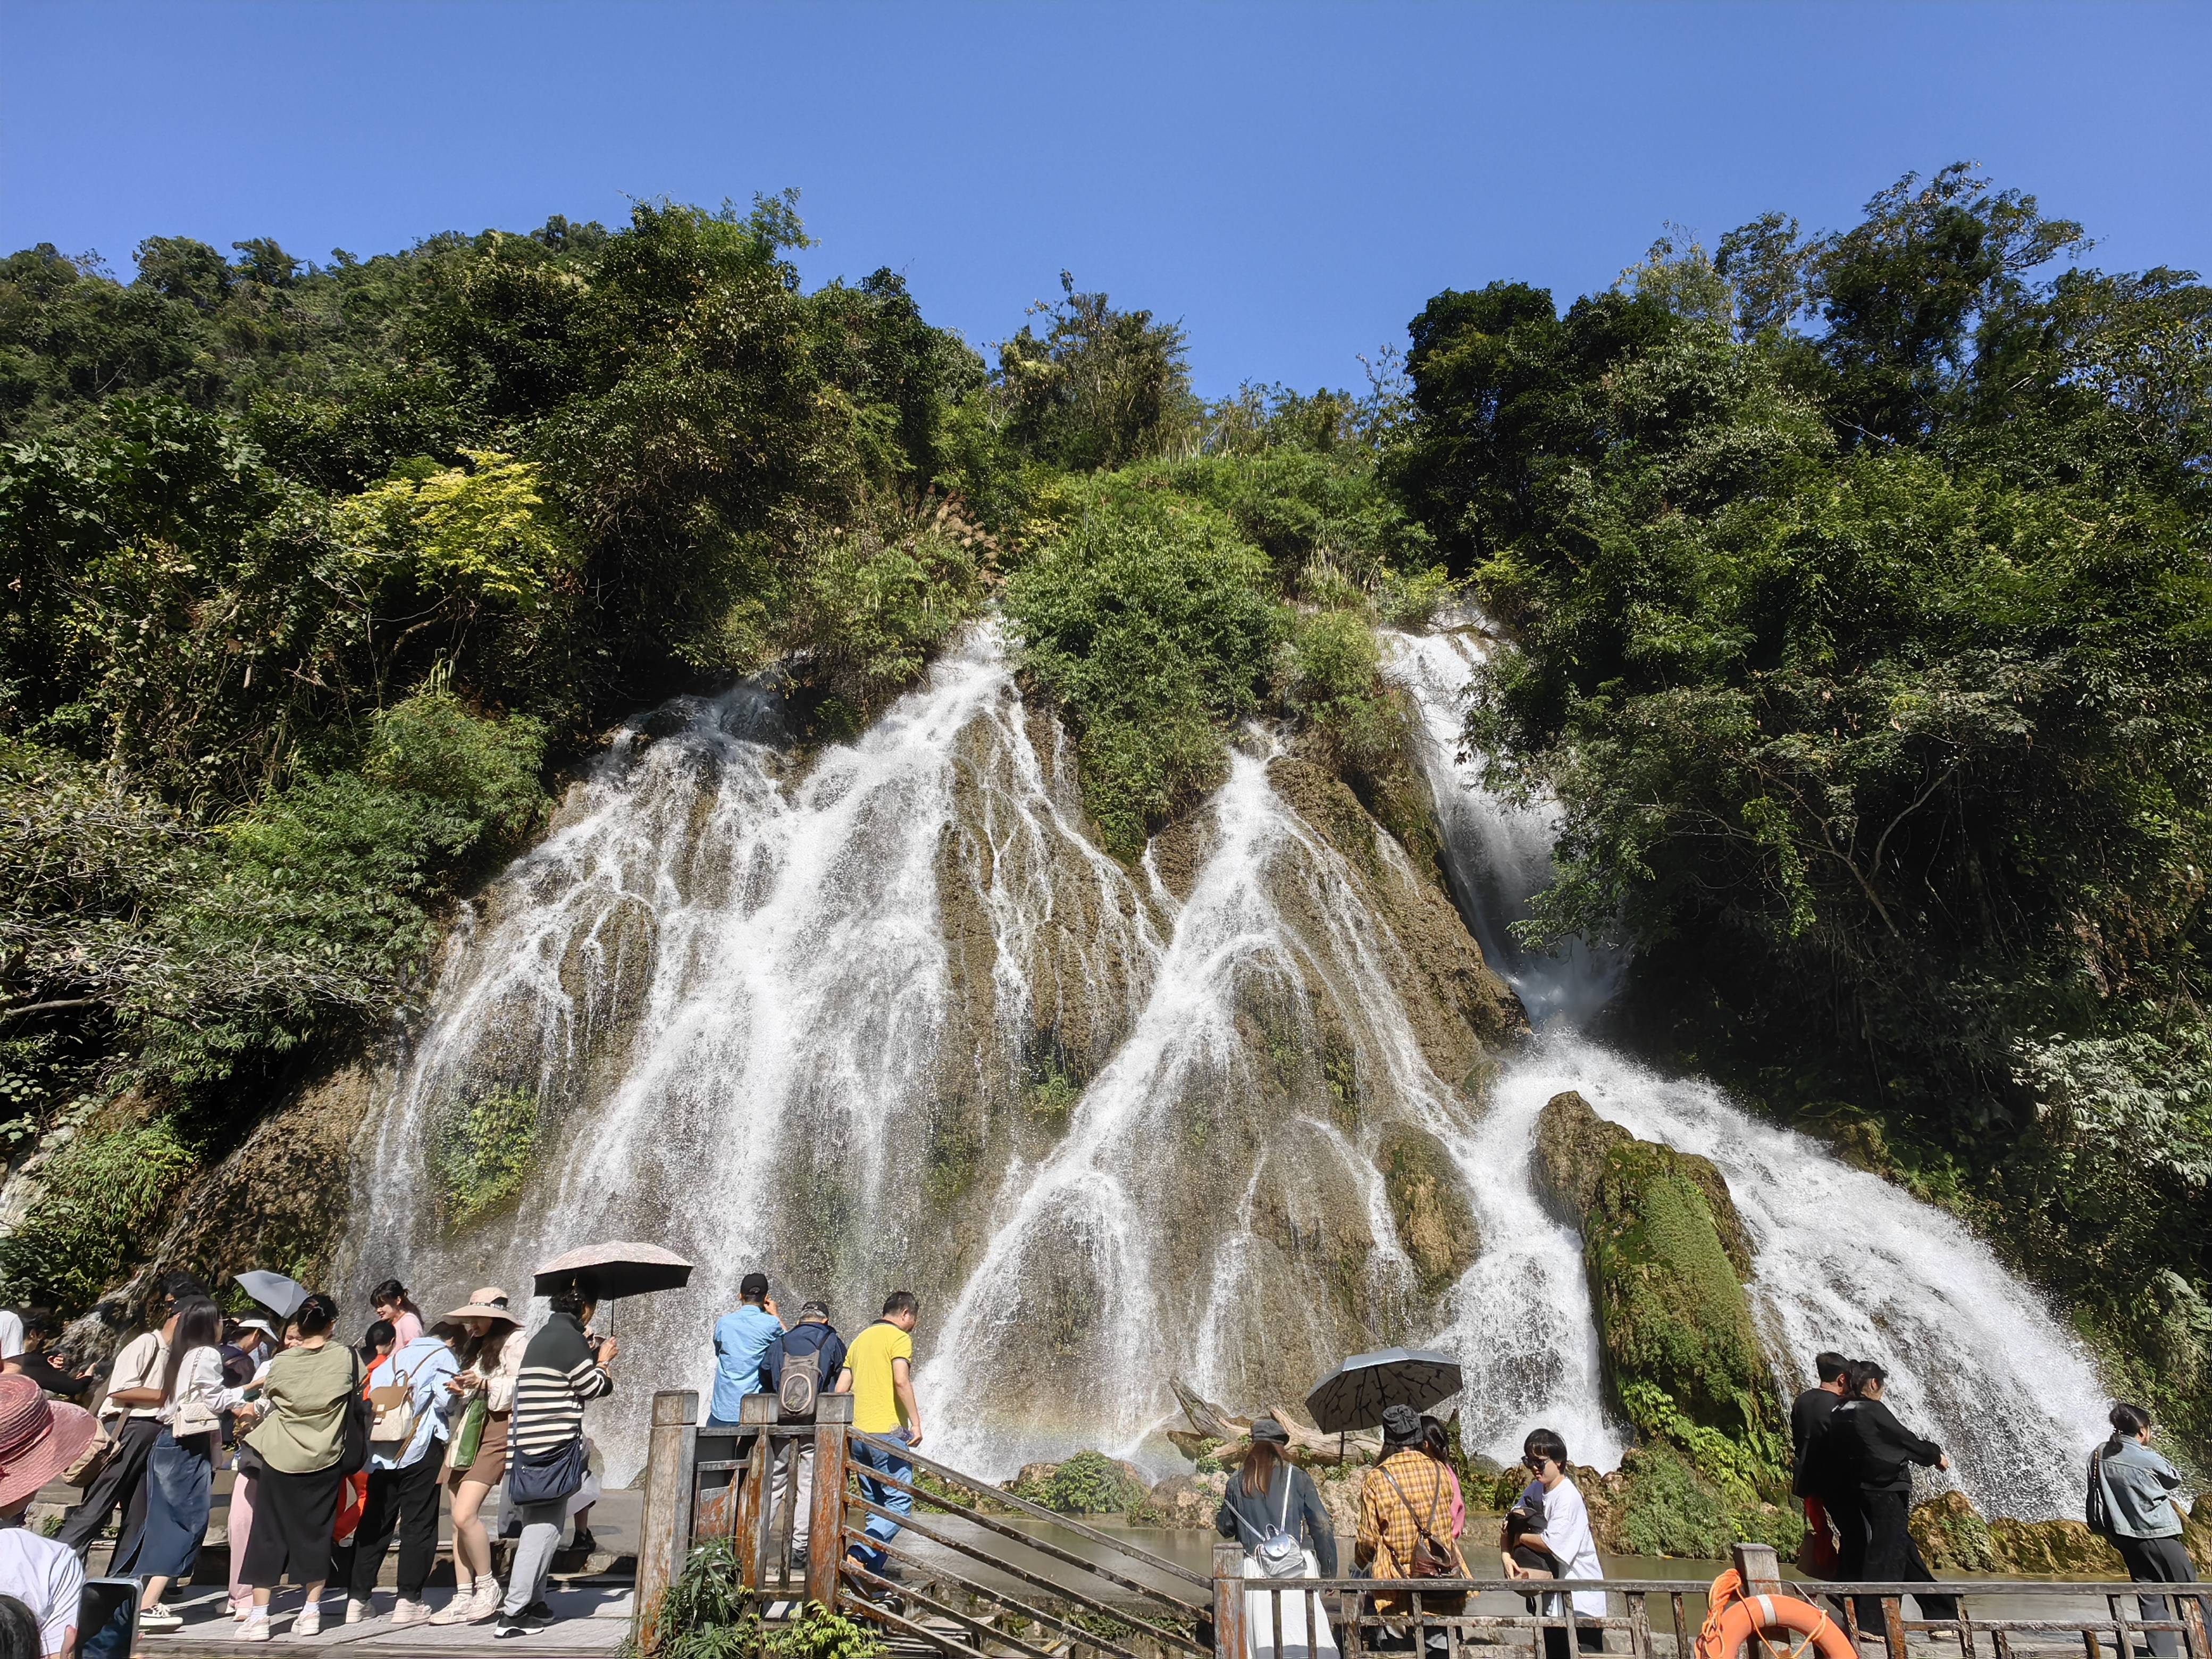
(896, 1022)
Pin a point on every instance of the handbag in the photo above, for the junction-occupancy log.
(1430, 1559)
(468, 1438)
(91, 1462)
(355, 1417)
(546, 1477)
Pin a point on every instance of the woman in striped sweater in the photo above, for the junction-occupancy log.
(561, 1369)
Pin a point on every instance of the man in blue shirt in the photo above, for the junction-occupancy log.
(741, 1341)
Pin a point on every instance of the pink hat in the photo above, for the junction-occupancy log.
(39, 1438)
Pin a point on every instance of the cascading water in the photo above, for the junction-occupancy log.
(891, 1019)
(1841, 1258)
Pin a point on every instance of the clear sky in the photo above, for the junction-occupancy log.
(1292, 181)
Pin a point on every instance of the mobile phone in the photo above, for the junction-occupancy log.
(106, 1618)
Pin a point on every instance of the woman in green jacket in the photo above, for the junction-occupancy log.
(299, 1436)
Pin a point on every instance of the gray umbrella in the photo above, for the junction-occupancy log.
(280, 1295)
(614, 1270)
(1355, 1393)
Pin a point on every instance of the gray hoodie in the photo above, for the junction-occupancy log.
(2138, 1485)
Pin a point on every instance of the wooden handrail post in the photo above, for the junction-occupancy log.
(664, 1530)
(825, 1520)
(1228, 1601)
(757, 1415)
(1756, 1565)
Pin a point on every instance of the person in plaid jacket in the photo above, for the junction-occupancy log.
(1403, 1496)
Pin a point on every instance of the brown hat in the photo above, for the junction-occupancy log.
(39, 1438)
(488, 1301)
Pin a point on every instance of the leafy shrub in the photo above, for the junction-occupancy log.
(1091, 1483)
(486, 770)
(102, 1192)
(707, 1613)
(480, 1154)
(1148, 619)
(1668, 1511)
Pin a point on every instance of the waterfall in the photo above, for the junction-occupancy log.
(880, 1015)
(1841, 1258)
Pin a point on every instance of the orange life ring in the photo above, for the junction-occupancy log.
(1735, 1619)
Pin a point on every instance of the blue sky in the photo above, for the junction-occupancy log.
(1292, 181)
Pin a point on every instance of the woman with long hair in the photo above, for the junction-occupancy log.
(2131, 1491)
(1274, 1509)
(482, 1407)
(1882, 1450)
(180, 1465)
(300, 1438)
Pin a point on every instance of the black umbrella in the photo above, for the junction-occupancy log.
(615, 1270)
(1355, 1393)
(280, 1295)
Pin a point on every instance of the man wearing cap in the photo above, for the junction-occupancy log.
(741, 1341)
(813, 1341)
(39, 1438)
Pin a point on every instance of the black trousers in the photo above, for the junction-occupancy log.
(123, 1481)
(404, 1501)
(2159, 1561)
(1892, 1558)
(1589, 1641)
(1847, 1514)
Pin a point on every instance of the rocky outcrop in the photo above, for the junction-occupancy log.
(1428, 1203)
(1668, 1261)
(1953, 1539)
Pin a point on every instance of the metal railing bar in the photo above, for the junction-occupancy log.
(997, 1496)
(1118, 1615)
(862, 1607)
(1031, 1540)
(1074, 1632)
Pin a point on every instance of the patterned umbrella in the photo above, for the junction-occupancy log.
(1354, 1394)
(624, 1269)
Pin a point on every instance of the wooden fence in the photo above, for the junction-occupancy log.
(973, 1572)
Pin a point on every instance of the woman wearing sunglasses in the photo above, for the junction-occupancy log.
(1564, 1535)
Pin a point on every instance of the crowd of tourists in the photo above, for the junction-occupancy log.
(337, 1452)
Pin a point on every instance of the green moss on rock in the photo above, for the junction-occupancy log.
(1436, 1224)
(1951, 1535)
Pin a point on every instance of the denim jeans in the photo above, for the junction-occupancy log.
(896, 1499)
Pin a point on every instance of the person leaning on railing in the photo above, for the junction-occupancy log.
(2131, 1491)
(1405, 1518)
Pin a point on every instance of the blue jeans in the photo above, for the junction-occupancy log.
(896, 1499)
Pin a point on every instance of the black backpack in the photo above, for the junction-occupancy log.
(359, 1416)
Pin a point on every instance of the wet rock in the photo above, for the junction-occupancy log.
(2058, 1547)
(1572, 1143)
(2197, 1534)
(1185, 1501)
(1951, 1535)
(1429, 1202)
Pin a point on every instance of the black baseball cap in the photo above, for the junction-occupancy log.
(753, 1285)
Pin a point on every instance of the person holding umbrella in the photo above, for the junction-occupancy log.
(561, 1371)
(1404, 1517)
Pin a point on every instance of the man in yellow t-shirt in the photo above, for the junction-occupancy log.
(880, 1361)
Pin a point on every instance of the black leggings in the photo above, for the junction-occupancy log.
(404, 1501)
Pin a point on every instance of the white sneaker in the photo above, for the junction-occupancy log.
(159, 1618)
(242, 1610)
(487, 1602)
(257, 1626)
(309, 1621)
(404, 1612)
(458, 1610)
(357, 1609)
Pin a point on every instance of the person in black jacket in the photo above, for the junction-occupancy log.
(1812, 1480)
(1882, 1451)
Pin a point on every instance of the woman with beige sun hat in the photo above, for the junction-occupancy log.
(481, 1407)
(39, 1438)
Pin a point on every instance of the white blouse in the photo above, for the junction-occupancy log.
(196, 1405)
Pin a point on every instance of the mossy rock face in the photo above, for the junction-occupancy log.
(1673, 1314)
(1436, 1224)
(2061, 1547)
(2197, 1534)
(1669, 1507)
(1951, 1535)
(1572, 1143)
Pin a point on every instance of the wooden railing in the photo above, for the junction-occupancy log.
(981, 1574)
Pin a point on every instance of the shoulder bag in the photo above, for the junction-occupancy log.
(546, 1477)
(1430, 1559)
(394, 1404)
(355, 1421)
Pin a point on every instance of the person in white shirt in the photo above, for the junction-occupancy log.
(39, 1438)
(180, 1466)
(11, 1333)
(130, 1411)
(1566, 1538)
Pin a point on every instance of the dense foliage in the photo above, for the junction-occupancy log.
(1859, 597)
